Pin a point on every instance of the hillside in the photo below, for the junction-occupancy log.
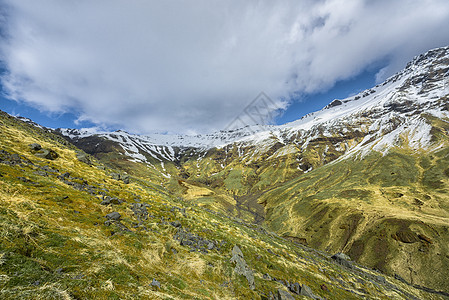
(71, 230)
(252, 213)
(366, 175)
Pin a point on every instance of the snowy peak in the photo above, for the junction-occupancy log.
(217, 139)
(424, 80)
(375, 119)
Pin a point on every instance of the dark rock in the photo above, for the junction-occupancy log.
(267, 276)
(175, 224)
(106, 201)
(186, 243)
(113, 216)
(295, 288)
(140, 211)
(111, 200)
(47, 154)
(122, 227)
(279, 280)
(125, 179)
(115, 176)
(116, 200)
(342, 259)
(324, 287)
(241, 267)
(195, 242)
(334, 103)
(35, 147)
(26, 180)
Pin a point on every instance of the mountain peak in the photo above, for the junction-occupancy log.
(366, 175)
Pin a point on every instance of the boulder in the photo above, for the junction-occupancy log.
(113, 216)
(47, 154)
(241, 267)
(35, 147)
(284, 295)
(175, 224)
(106, 201)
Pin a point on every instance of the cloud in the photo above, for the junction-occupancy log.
(193, 66)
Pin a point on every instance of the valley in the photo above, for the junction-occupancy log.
(367, 176)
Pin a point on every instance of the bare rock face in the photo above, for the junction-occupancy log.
(241, 267)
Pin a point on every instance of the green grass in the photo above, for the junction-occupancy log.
(54, 243)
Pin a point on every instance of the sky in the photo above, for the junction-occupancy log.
(193, 66)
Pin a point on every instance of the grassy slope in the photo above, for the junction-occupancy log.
(365, 207)
(389, 212)
(54, 243)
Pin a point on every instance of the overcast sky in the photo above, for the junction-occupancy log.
(193, 66)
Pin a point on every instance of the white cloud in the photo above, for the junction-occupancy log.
(194, 65)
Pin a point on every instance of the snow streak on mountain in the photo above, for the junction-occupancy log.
(381, 117)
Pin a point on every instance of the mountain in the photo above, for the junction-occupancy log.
(73, 228)
(366, 175)
(242, 213)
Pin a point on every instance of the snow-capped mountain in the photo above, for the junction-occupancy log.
(367, 175)
(395, 112)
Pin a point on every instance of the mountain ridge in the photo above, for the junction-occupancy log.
(367, 175)
(336, 110)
